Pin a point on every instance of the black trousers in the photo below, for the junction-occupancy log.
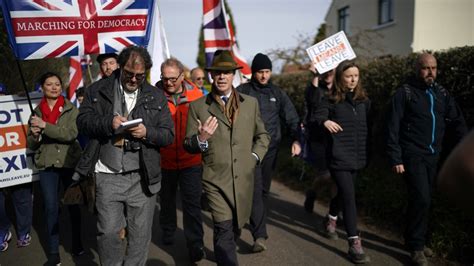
(419, 175)
(261, 190)
(190, 187)
(225, 235)
(345, 199)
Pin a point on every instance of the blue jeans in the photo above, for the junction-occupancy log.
(49, 182)
(22, 199)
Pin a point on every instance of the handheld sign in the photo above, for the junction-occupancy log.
(328, 53)
(16, 160)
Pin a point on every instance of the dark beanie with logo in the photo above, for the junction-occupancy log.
(261, 61)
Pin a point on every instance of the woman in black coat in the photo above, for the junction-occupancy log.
(344, 115)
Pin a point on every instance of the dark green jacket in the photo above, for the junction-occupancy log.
(57, 146)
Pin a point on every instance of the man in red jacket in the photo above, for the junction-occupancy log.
(180, 167)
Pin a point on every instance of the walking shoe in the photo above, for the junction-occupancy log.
(197, 253)
(5, 239)
(24, 241)
(418, 258)
(356, 253)
(53, 260)
(78, 251)
(330, 228)
(167, 238)
(428, 252)
(259, 245)
(309, 201)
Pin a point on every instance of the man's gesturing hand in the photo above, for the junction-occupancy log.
(206, 130)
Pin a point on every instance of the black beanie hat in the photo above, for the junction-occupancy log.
(261, 61)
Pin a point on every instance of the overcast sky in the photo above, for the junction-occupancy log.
(261, 25)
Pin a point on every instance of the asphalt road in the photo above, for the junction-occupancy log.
(295, 238)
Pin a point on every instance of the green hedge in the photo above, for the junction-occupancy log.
(381, 195)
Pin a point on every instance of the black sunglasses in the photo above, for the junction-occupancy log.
(129, 75)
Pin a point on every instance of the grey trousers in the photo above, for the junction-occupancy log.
(115, 194)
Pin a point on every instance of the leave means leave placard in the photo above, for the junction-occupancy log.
(328, 53)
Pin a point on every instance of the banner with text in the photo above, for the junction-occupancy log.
(328, 53)
(57, 28)
(16, 161)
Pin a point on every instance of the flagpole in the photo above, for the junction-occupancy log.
(24, 86)
(90, 74)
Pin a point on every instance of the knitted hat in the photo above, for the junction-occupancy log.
(261, 61)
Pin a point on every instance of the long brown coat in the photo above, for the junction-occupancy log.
(228, 163)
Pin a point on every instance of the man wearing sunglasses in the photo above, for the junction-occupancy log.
(126, 162)
(180, 167)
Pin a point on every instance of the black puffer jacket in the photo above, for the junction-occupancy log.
(95, 121)
(275, 105)
(348, 148)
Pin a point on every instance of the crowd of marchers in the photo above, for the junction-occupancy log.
(219, 149)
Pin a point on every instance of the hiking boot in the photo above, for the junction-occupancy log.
(4, 241)
(418, 258)
(356, 253)
(259, 245)
(309, 201)
(53, 260)
(428, 252)
(24, 241)
(197, 253)
(330, 228)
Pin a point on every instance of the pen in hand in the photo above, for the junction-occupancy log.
(118, 119)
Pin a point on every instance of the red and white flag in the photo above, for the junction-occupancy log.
(219, 35)
(75, 78)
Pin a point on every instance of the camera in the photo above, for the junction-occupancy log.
(131, 145)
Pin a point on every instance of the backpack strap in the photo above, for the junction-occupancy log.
(407, 93)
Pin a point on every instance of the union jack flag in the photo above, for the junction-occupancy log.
(75, 78)
(56, 28)
(219, 34)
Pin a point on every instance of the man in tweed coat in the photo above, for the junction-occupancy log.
(226, 128)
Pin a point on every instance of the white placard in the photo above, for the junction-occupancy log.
(16, 161)
(328, 53)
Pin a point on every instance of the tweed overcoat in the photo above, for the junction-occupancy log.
(228, 163)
